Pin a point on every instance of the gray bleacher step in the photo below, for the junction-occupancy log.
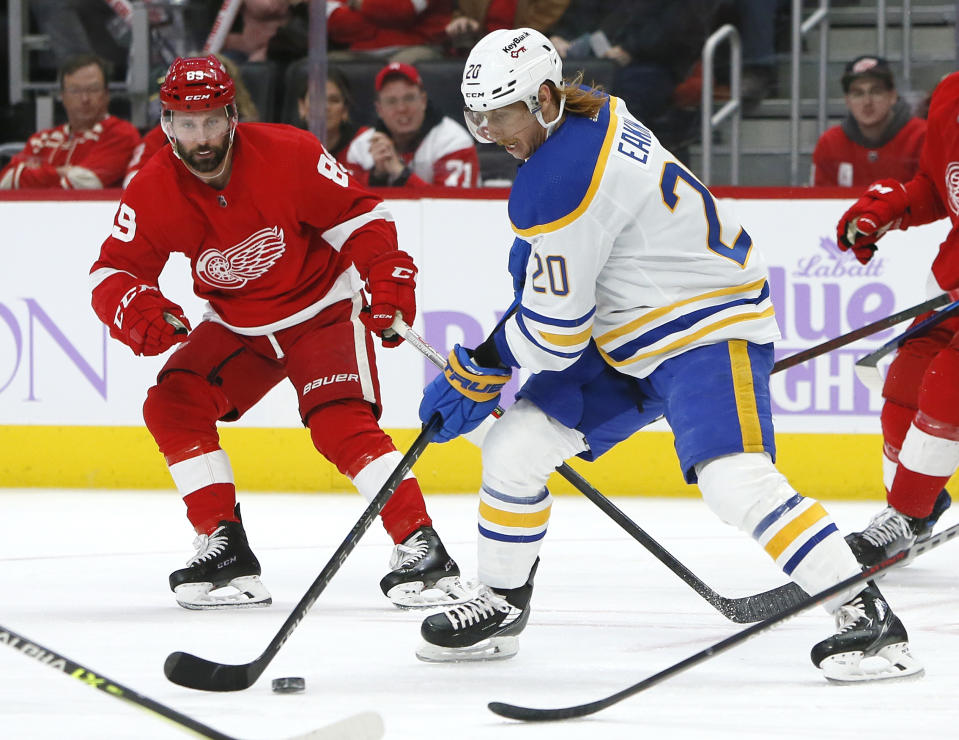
(922, 13)
(757, 169)
(938, 40)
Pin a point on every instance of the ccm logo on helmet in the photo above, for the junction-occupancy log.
(196, 97)
(514, 43)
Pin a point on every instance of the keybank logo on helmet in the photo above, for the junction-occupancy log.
(515, 42)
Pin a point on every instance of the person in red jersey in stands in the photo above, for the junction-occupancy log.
(281, 242)
(879, 136)
(920, 416)
(412, 144)
(90, 150)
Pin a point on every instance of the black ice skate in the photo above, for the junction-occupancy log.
(867, 631)
(483, 628)
(223, 559)
(891, 531)
(422, 574)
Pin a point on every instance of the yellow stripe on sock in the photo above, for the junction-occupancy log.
(788, 534)
(514, 519)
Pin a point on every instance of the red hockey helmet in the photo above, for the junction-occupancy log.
(197, 83)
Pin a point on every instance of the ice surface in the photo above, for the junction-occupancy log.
(85, 573)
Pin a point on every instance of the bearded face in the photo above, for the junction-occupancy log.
(202, 138)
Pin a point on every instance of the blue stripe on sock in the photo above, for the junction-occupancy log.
(804, 550)
(506, 498)
(774, 515)
(510, 537)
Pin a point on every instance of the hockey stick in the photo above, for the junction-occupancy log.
(528, 714)
(363, 726)
(861, 332)
(744, 609)
(207, 675)
(867, 368)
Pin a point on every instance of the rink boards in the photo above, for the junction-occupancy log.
(70, 397)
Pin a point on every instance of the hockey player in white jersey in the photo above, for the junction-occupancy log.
(638, 295)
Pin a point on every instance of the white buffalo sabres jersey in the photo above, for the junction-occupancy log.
(625, 247)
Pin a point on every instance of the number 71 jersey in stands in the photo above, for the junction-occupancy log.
(618, 242)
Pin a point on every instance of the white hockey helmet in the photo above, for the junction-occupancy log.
(507, 66)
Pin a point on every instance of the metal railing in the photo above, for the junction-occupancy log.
(20, 43)
(733, 107)
(882, 22)
(820, 17)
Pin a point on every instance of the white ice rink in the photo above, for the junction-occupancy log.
(85, 573)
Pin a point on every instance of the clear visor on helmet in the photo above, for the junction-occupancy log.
(201, 125)
(491, 126)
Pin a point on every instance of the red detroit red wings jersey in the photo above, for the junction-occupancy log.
(272, 249)
(838, 160)
(934, 191)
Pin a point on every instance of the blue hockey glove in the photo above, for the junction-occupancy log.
(463, 395)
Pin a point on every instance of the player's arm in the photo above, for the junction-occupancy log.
(358, 224)
(536, 333)
(125, 292)
(888, 204)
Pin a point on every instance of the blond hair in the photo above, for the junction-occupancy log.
(586, 102)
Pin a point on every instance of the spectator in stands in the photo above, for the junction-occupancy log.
(412, 144)
(653, 43)
(392, 30)
(879, 138)
(90, 150)
(76, 27)
(259, 21)
(340, 130)
(155, 139)
(473, 19)
(756, 22)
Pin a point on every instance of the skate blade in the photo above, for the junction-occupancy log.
(446, 592)
(247, 592)
(495, 648)
(892, 662)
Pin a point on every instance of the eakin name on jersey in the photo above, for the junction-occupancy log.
(618, 242)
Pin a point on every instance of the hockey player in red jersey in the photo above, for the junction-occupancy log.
(920, 417)
(281, 243)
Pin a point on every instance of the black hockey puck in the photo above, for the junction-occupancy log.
(289, 685)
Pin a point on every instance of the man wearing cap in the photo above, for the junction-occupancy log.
(878, 138)
(412, 144)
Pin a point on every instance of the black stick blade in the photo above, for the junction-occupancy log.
(198, 673)
(528, 714)
(762, 606)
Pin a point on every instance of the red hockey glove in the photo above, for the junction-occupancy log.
(879, 209)
(148, 323)
(391, 282)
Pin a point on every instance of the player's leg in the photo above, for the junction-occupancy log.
(585, 410)
(717, 404)
(213, 377)
(331, 363)
(913, 515)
